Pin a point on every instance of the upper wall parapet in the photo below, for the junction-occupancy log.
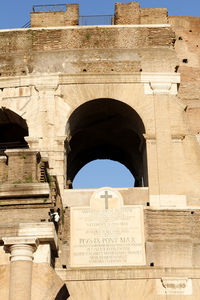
(125, 14)
(131, 13)
(69, 17)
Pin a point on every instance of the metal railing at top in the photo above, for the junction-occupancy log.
(89, 20)
(27, 25)
(53, 7)
(96, 20)
(83, 20)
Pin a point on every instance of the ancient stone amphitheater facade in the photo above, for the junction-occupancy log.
(69, 94)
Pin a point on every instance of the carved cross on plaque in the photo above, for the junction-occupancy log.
(106, 196)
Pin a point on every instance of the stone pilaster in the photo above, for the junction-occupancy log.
(21, 259)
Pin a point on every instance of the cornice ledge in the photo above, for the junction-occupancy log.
(43, 232)
(154, 82)
(160, 83)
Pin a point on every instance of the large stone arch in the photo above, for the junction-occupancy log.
(132, 94)
(106, 129)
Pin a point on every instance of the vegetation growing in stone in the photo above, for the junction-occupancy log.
(88, 36)
(29, 179)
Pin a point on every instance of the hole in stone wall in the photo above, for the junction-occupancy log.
(151, 264)
(176, 69)
(190, 30)
(0, 74)
(185, 60)
(180, 38)
(64, 266)
(140, 70)
(2, 89)
(84, 70)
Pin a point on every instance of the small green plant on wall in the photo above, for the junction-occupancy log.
(29, 179)
(88, 36)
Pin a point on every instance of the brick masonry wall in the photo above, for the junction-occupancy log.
(45, 19)
(187, 46)
(74, 50)
(153, 16)
(59, 18)
(22, 167)
(131, 13)
(127, 13)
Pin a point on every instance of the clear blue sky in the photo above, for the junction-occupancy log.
(14, 14)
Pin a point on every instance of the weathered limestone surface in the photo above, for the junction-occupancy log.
(118, 289)
(4, 281)
(45, 283)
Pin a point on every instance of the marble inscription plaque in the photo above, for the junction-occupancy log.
(107, 236)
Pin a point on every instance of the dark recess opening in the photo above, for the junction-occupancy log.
(13, 129)
(106, 129)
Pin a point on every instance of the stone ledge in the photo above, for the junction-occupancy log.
(44, 232)
(64, 79)
(89, 26)
(10, 152)
(126, 273)
(81, 197)
(24, 190)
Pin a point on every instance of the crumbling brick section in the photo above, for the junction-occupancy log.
(131, 13)
(57, 18)
(23, 166)
(127, 13)
(153, 16)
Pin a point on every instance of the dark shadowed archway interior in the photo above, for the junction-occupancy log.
(106, 129)
(13, 129)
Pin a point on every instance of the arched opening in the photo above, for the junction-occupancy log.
(13, 129)
(103, 172)
(106, 129)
